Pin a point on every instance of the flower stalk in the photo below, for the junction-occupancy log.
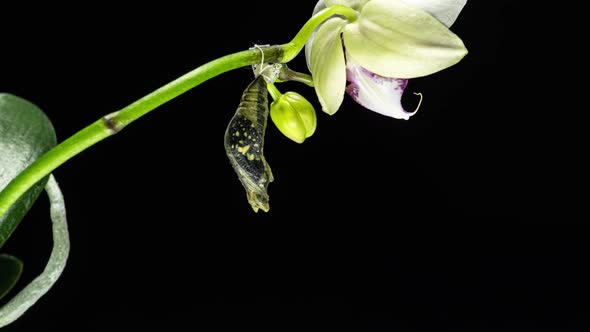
(115, 122)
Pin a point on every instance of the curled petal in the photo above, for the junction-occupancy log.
(394, 39)
(378, 93)
(328, 66)
(446, 11)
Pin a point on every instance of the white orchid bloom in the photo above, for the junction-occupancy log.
(390, 42)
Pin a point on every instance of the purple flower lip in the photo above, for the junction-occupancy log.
(375, 92)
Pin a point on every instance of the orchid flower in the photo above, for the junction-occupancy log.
(389, 42)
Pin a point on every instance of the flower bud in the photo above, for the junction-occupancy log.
(294, 116)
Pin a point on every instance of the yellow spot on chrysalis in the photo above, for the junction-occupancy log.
(256, 145)
(243, 149)
(237, 134)
(250, 156)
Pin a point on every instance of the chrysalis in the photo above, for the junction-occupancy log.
(244, 143)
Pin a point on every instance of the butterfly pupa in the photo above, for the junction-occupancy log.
(244, 143)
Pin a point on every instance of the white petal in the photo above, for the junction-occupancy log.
(446, 11)
(354, 4)
(328, 66)
(394, 39)
(318, 6)
(377, 93)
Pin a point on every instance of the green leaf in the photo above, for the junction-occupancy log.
(10, 270)
(25, 134)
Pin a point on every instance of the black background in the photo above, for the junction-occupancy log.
(468, 217)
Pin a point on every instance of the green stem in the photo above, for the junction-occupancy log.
(296, 45)
(114, 122)
(273, 91)
(287, 74)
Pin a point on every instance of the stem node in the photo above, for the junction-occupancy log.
(111, 124)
